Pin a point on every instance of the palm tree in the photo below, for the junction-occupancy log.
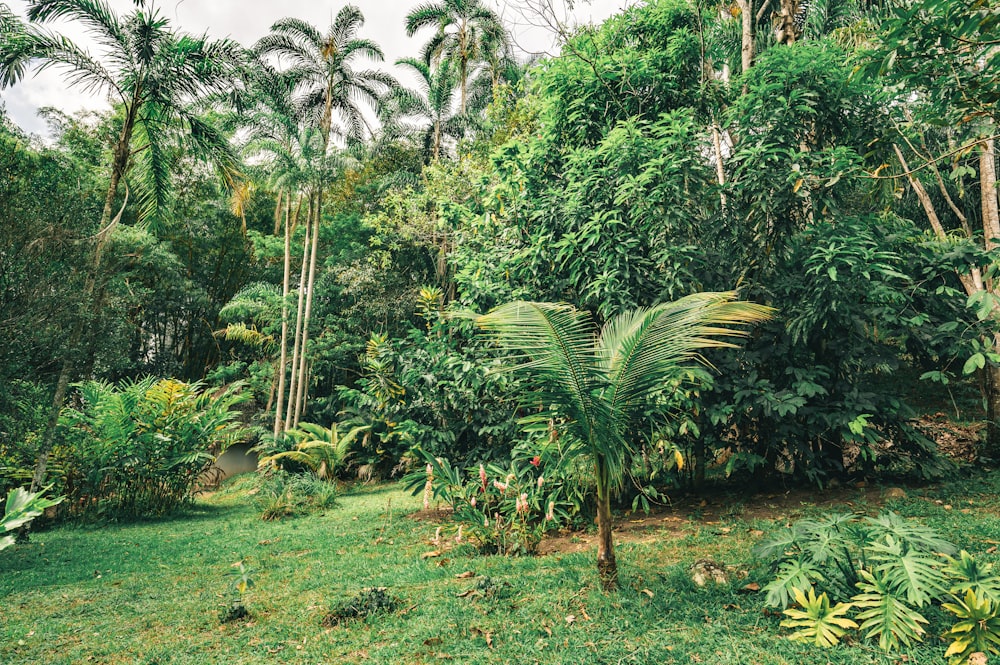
(154, 74)
(431, 106)
(468, 33)
(321, 69)
(601, 382)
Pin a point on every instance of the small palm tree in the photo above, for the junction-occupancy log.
(323, 450)
(602, 380)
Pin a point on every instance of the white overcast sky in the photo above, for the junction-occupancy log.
(247, 20)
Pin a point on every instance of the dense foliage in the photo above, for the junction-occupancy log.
(243, 216)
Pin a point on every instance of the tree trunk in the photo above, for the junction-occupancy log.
(747, 34)
(297, 346)
(607, 566)
(80, 328)
(283, 361)
(301, 398)
(991, 391)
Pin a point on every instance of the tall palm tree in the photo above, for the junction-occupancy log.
(329, 96)
(154, 74)
(601, 381)
(322, 70)
(468, 33)
(431, 107)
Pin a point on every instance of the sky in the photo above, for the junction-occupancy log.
(247, 20)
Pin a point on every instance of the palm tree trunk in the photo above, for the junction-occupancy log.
(105, 228)
(607, 566)
(283, 361)
(747, 34)
(991, 234)
(301, 399)
(297, 347)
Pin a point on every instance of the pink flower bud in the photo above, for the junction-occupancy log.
(472, 502)
(541, 481)
(550, 515)
(522, 504)
(500, 486)
(458, 538)
(482, 476)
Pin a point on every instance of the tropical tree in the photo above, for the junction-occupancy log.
(431, 105)
(468, 33)
(321, 69)
(154, 73)
(601, 382)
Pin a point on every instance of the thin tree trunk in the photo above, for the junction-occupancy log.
(607, 566)
(277, 211)
(988, 182)
(747, 34)
(297, 347)
(991, 233)
(105, 227)
(283, 362)
(317, 216)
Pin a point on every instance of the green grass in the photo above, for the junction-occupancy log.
(152, 592)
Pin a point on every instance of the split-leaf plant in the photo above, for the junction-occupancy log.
(885, 571)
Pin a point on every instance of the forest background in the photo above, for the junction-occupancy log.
(285, 228)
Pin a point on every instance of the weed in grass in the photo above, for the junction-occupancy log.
(367, 603)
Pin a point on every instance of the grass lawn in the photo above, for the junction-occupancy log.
(152, 592)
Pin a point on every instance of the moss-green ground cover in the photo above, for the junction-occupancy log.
(152, 592)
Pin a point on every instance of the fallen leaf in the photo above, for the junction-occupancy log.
(991, 550)
(731, 607)
(431, 554)
(432, 642)
(466, 575)
(443, 562)
(571, 618)
(648, 593)
(753, 587)
(466, 593)
(586, 617)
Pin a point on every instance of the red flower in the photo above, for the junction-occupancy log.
(536, 461)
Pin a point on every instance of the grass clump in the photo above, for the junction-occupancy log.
(367, 603)
(282, 494)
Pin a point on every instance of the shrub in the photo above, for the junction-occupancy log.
(283, 494)
(367, 603)
(886, 571)
(21, 508)
(138, 449)
(504, 510)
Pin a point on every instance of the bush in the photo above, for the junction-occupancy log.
(282, 494)
(138, 449)
(503, 510)
(885, 571)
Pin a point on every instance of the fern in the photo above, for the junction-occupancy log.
(978, 628)
(793, 575)
(886, 616)
(817, 621)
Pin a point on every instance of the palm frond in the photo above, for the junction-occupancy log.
(643, 349)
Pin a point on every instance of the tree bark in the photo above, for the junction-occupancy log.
(747, 34)
(607, 566)
(297, 346)
(283, 361)
(991, 390)
(301, 398)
